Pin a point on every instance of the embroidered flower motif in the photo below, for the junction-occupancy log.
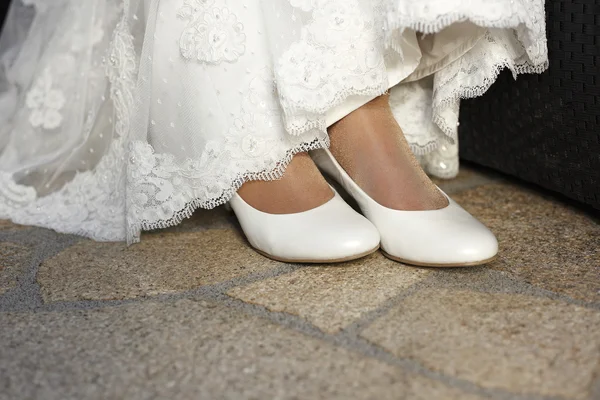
(337, 23)
(305, 65)
(243, 135)
(45, 103)
(262, 95)
(142, 160)
(339, 53)
(213, 35)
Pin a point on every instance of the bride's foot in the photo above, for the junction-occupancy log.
(299, 218)
(371, 147)
(301, 188)
(417, 222)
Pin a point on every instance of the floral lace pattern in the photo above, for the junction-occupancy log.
(322, 53)
(338, 55)
(45, 103)
(165, 189)
(213, 34)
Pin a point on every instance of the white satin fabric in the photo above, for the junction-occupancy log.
(118, 116)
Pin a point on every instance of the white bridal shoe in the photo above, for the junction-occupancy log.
(332, 232)
(448, 237)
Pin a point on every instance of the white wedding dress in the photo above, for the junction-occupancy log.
(118, 116)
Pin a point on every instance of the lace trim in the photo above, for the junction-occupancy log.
(213, 34)
(424, 149)
(526, 17)
(427, 26)
(420, 16)
(447, 95)
(470, 92)
(186, 210)
(430, 16)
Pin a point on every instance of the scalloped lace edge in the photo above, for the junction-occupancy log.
(274, 173)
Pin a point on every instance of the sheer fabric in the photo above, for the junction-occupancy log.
(118, 116)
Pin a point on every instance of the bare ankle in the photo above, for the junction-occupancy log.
(371, 147)
(301, 188)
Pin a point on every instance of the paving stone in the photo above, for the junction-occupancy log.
(333, 297)
(514, 342)
(187, 350)
(13, 263)
(542, 240)
(161, 263)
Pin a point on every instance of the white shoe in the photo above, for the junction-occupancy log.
(332, 232)
(448, 237)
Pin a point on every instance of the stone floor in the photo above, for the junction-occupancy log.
(193, 313)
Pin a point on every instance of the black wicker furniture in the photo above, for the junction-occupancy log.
(545, 128)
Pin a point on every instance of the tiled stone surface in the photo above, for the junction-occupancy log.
(542, 241)
(333, 297)
(161, 263)
(515, 342)
(13, 262)
(187, 350)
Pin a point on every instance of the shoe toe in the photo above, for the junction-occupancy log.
(446, 237)
(473, 244)
(339, 233)
(332, 232)
(352, 235)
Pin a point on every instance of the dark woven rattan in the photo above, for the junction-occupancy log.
(545, 128)
(4, 4)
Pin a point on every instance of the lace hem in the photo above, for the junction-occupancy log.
(430, 16)
(182, 209)
(476, 71)
(325, 87)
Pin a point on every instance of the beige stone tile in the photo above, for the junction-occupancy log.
(542, 241)
(13, 262)
(188, 350)
(331, 297)
(161, 263)
(518, 343)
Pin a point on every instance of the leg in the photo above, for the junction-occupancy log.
(301, 188)
(371, 147)
(417, 223)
